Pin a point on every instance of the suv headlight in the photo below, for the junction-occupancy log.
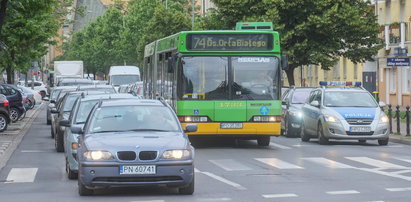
(331, 119)
(383, 118)
(177, 154)
(97, 155)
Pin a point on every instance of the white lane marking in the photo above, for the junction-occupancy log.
(279, 146)
(342, 192)
(385, 173)
(402, 172)
(328, 163)
(223, 180)
(376, 163)
(279, 195)
(399, 189)
(404, 158)
(17, 175)
(278, 163)
(150, 201)
(196, 170)
(214, 199)
(229, 164)
(34, 151)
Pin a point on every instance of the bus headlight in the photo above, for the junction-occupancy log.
(193, 118)
(266, 119)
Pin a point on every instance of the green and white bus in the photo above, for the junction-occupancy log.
(225, 81)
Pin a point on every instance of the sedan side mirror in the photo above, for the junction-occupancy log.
(315, 103)
(382, 104)
(54, 111)
(190, 128)
(65, 123)
(52, 101)
(77, 130)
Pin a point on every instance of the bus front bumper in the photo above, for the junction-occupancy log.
(214, 128)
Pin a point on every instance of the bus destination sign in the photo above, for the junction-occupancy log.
(226, 42)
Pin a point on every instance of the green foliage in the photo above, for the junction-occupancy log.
(312, 32)
(29, 26)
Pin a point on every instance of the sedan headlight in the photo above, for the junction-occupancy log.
(98, 155)
(330, 118)
(297, 114)
(383, 118)
(176, 154)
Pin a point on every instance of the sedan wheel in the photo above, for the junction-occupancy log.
(58, 142)
(14, 114)
(188, 190)
(3, 123)
(70, 174)
(303, 135)
(320, 132)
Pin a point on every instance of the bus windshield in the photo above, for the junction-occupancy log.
(209, 78)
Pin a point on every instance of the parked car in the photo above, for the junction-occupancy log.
(74, 82)
(38, 86)
(123, 144)
(343, 113)
(53, 99)
(4, 113)
(291, 111)
(78, 117)
(33, 96)
(15, 98)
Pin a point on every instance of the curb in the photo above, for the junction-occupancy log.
(19, 137)
(396, 140)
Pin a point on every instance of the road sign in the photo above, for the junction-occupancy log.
(398, 61)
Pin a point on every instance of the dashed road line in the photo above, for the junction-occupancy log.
(278, 163)
(342, 192)
(223, 180)
(229, 164)
(17, 175)
(279, 146)
(376, 163)
(399, 189)
(279, 195)
(328, 163)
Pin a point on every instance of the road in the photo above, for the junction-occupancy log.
(288, 170)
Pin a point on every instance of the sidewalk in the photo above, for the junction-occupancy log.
(400, 138)
(11, 138)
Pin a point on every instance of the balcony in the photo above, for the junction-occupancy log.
(396, 34)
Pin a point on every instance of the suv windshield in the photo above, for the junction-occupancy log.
(129, 118)
(349, 99)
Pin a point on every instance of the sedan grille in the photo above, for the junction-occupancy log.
(148, 155)
(360, 133)
(126, 155)
(359, 121)
(137, 179)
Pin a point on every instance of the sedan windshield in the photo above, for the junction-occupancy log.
(299, 97)
(349, 99)
(133, 118)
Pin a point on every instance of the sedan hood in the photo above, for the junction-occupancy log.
(132, 140)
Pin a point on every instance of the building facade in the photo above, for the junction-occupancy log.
(393, 61)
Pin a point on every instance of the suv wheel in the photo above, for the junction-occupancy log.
(14, 114)
(383, 142)
(3, 123)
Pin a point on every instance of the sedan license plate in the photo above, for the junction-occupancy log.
(231, 125)
(137, 170)
(360, 129)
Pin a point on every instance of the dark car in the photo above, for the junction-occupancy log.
(134, 143)
(4, 113)
(53, 98)
(15, 99)
(291, 114)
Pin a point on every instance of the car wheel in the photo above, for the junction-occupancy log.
(83, 190)
(304, 136)
(31, 104)
(48, 121)
(14, 114)
(320, 132)
(70, 174)
(58, 142)
(52, 131)
(263, 141)
(383, 142)
(362, 141)
(187, 190)
(3, 123)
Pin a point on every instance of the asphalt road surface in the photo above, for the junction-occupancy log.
(287, 170)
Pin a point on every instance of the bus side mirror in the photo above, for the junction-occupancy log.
(171, 65)
(284, 62)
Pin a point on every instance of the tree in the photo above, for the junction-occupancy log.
(3, 6)
(312, 32)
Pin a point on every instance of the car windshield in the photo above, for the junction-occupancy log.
(75, 83)
(68, 105)
(104, 90)
(133, 118)
(54, 94)
(84, 110)
(299, 96)
(349, 99)
(117, 80)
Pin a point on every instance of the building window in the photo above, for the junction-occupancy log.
(406, 79)
(316, 72)
(336, 71)
(325, 75)
(345, 68)
(393, 80)
(355, 71)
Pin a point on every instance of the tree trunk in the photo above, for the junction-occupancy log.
(290, 76)
(10, 73)
(3, 7)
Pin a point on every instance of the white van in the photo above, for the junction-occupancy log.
(121, 75)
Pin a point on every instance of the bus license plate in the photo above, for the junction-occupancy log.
(231, 125)
(137, 170)
(360, 129)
